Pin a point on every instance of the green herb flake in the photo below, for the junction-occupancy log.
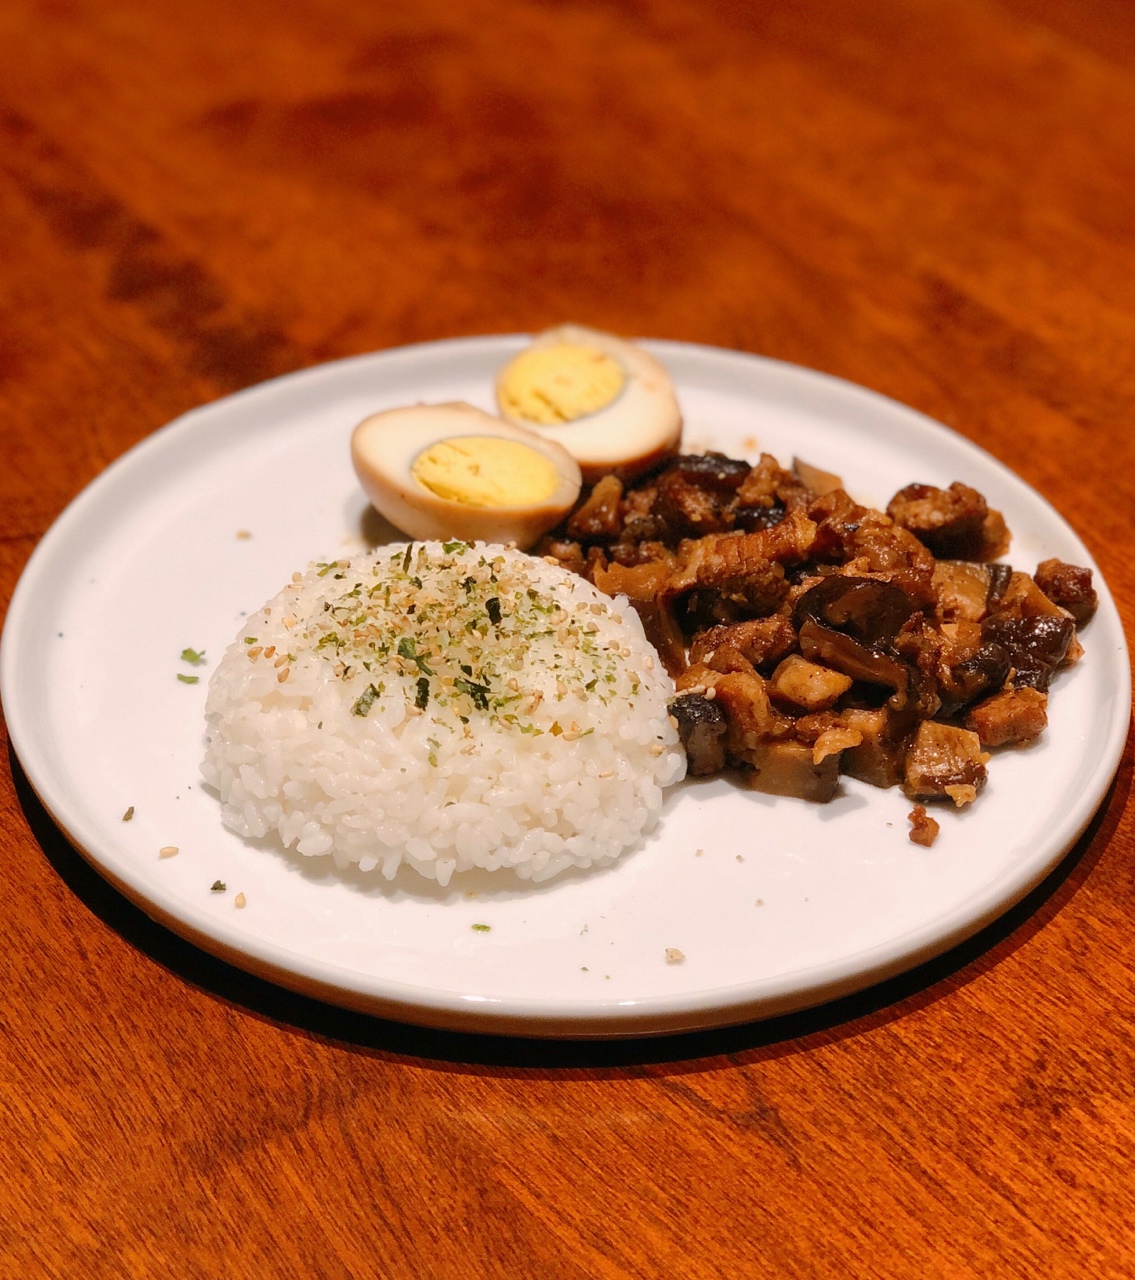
(187, 679)
(482, 928)
(191, 656)
(408, 649)
(450, 547)
(218, 886)
(493, 606)
(423, 694)
(364, 702)
(249, 639)
(478, 692)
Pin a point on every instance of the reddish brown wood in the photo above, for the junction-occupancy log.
(930, 198)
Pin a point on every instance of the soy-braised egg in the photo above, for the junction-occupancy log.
(608, 402)
(453, 471)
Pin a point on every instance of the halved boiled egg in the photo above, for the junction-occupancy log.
(452, 471)
(610, 404)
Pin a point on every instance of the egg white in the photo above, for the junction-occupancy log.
(385, 445)
(627, 436)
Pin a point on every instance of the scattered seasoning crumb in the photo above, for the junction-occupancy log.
(698, 853)
(607, 976)
(218, 886)
(583, 968)
(240, 900)
(167, 850)
(482, 928)
(923, 828)
(674, 956)
(187, 679)
(128, 814)
(760, 902)
(584, 929)
(739, 858)
(470, 893)
(243, 535)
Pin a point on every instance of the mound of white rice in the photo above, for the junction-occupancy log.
(444, 705)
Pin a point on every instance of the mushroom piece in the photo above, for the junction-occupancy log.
(702, 727)
(846, 623)
(868, 609)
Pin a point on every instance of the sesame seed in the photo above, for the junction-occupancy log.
(287, 671)
(167, 851)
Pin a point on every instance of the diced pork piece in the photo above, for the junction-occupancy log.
(1023, 596)
(702, 727)
(599, 515)
(869, 544)
(807, 685)
(768, 485)
(881, 549)
(944, 762)
(1068, 586)
(1013, 717)
(696, 678)
(627, 551)
(995, 536)
(949, 521)
(746, 565)
(761, 640)
(686, 509)
(923, 828)
(966, 590)
(564, 551)
(638, 582)
(727, 657)
(880, 756)
(752, 719)
(834, 740)
(788, 769)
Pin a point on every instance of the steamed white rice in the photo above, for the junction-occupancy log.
(446, 706)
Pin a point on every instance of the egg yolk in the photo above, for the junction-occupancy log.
(486, 471)
(560, 383)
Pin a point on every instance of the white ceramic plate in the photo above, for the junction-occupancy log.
(775, 904)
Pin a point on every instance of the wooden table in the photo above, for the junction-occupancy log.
(935, 199)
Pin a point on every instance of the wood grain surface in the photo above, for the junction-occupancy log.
(934, 198)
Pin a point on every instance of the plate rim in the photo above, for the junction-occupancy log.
(526, 1016)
